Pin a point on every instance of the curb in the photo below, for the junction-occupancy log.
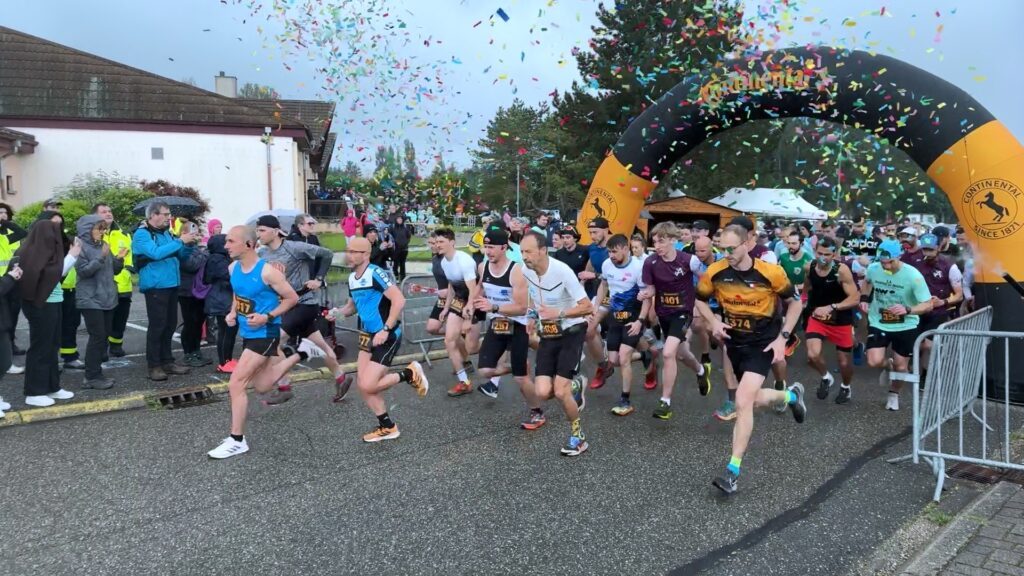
(141, 399)
(953, 537)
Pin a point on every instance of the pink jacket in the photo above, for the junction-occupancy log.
(350, 223)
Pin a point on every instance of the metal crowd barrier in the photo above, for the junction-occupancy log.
(955, 381)
(418, 304)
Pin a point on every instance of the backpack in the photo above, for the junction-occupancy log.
(199, 286)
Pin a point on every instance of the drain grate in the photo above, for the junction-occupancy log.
(1015, 476)
(975, 473)
(181, 398)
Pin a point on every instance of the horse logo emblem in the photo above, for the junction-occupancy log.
(992, 207)
(990, 201)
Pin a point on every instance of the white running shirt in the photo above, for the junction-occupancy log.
(559, 288)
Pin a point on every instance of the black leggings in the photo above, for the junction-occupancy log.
(399, 258)
(192, 318)
(225, 340)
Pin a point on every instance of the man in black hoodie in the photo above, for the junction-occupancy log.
(401, 232)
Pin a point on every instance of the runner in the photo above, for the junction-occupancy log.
(572, 254)
(559, 305)
(945, 283)
(749, 291)
(795, 260)
(378, 302)
(434, 324)
(669, 277)
(706, 256)
(296, 260)
(599, 235)
(832, 296)
(460, 270)
(261, 296)
(621, 283)
(503, 295)
(894, 297)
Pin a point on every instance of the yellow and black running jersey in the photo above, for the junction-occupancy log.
(749, 298)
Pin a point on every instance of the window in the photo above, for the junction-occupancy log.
(10, 185)
(157, 153)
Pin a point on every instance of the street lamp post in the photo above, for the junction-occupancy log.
(517, 189)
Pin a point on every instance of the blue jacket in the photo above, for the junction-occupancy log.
(157, 258)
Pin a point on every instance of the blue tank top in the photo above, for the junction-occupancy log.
(253, 296)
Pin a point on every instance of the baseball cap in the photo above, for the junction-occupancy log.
(743, 221)
(909, 230)
(929, 241)
(53, 202)
(598, 222)
(269, 221)
(496, 237)
(941, 232)
(701, 225)
(569, 230)
(890, 249)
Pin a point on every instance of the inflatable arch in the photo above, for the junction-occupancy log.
(969, 154)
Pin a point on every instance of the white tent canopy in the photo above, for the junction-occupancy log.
(778, 202)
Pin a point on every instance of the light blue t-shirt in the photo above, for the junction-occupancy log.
(906, 287)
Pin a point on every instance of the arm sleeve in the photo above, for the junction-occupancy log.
(955, 277)
(17, 232)
(324, 258)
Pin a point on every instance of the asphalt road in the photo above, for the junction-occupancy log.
(463, 491)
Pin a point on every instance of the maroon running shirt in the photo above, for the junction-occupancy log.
(674, 282)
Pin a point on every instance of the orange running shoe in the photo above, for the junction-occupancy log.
(460, 389)
(419, 381)
(381, 433)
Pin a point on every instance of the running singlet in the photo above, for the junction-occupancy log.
(749, 298)
(623, 284)
(827, 290)
(795, 268)
(253, 296)
(367, 292)
(559, 289)
(906, 287)
(498, 291)
(673, 282)
(460, 268)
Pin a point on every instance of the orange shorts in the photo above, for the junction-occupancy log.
(841, 336)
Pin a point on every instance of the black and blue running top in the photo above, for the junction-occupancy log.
(367, 292)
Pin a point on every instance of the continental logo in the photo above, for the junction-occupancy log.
(601, 204)
(993, 208)
(791, 79)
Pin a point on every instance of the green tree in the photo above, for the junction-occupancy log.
(257, 92)
(120, 193)
(411, 171)
(352, 172)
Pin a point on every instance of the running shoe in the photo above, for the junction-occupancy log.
(728, 483)
(858, 354)
(533, 421)
(579, 391)
(310, 349)
(278, 396)
(229, 447)
(798, 407)
(342, 384)
(826, 386)
(419, 381)
(893, 402)
(4, 405)
(460, 389)
(727, 413)
(227, 367)
(604, 372)
(792, 344)
(381, 433)
(623, 408)
(844, 395)
(651, 379)
(15, 369)
(488, 389)
(663, 411)
(577, 445)
(704, 381)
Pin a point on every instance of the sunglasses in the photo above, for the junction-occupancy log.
(728, 249)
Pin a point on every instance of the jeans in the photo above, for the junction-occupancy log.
(162, 313)
(42, 374)
(71, 319)
(98, 323)
(117, 327)
(225, 340)
(400, 256)
(192, 318)
(14, 305)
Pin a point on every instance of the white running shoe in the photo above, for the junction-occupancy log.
(228, 448)
(61, 394)
(41, 401)
(15, 369)
(893, 403)
(4, 405)
(310, 349)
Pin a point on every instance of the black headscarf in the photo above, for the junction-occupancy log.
(41, 258)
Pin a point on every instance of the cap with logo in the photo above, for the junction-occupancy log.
(496, 236)
(890, 249)
(929, 241)
(701, 225)
(569, 230)
(598, 222)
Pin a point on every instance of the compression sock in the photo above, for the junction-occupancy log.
(405, 375)
(625, 396)
(577, 428)
(790, 397)
(237, 437)
(734, 465)
(667, 401)
(645, 359)
(732, 395)
(385, 421)
(461, 375)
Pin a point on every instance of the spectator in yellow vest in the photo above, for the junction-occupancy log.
(119, 241)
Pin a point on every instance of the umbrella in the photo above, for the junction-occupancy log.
(181, 206)
(286, 216)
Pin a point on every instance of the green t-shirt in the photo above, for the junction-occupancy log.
(795, 268)
(906, 287)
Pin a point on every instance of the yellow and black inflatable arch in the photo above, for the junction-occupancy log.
(969, 154)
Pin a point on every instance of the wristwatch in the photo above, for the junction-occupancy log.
(785, 334)
(835, 308)
(495, 308)
(270, 317)
(561, 315)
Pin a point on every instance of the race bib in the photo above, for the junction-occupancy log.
(364, 341)
(670, 300)
(243, 306)
(501, 326)
(739, 323)
(458, 304)
(606, 302)
(550, 329)
(890, 318)
(622, 316)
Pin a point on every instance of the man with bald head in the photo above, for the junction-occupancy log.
(379, 303)
(262, 295)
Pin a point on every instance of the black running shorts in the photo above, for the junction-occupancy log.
(382, 354)
(266, 347)
(561, 356)
(300, 321)
(902, 342)
(495, 345)
(750, 358)
(675, 326)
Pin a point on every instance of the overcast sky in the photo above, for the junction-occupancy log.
(978, 48)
